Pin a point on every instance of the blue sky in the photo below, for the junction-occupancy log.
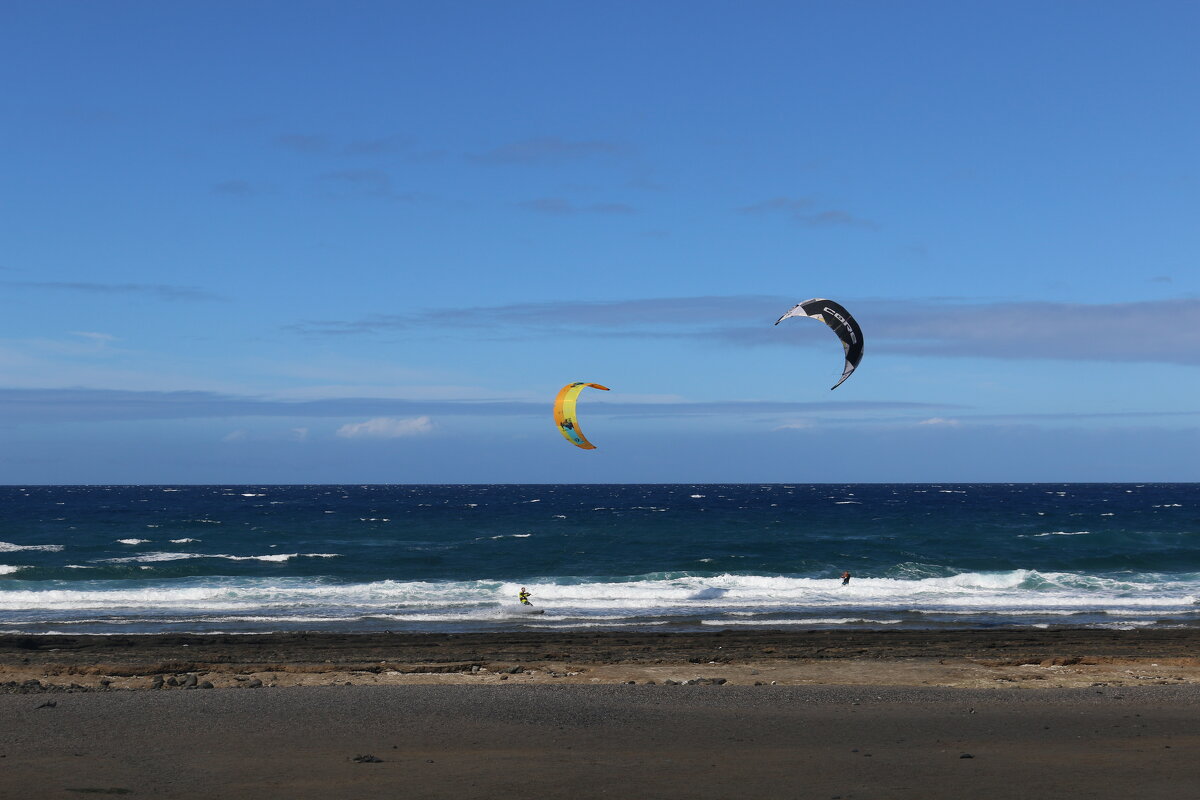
(369, 241)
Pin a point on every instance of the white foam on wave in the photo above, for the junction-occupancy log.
(588, 625)
(1059, 533)
(9, 547)
(150, 557)
(720, 599)
(183, 541)
(133, 541)
(974, 592)
(767, 623)
(155, 557)
(6, 569)
(283, 556)
(1121, 626)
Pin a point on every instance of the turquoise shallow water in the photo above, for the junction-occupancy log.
(255, 558)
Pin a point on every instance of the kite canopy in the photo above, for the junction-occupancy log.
(839, 319)
(564, 413)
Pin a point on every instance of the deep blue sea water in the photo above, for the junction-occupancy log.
(126, 559)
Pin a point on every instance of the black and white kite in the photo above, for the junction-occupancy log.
(839, 319)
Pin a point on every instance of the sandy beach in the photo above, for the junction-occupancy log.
(893, 714)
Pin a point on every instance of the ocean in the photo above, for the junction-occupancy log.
(247, 559)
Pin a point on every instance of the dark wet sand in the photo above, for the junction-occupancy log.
(481, 732)
(311, 652)
(603, 741)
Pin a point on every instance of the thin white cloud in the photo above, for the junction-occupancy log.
(98, 338)
(261, 435)
(799, 425)
(941, 422)
(386, 428)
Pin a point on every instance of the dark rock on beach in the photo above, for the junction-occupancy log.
(427, 653)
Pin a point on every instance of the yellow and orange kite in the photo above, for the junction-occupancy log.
(564, 413)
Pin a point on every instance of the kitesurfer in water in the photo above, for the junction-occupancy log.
(845, 577)
(524, 597)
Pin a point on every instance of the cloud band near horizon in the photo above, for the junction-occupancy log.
(1161, 331)
(24, 406)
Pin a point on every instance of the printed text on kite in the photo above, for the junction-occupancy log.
(838, 319)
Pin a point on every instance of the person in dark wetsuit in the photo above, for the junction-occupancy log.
(845, 577)
(524, 597)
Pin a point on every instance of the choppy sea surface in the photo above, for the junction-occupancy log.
(242, 559)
